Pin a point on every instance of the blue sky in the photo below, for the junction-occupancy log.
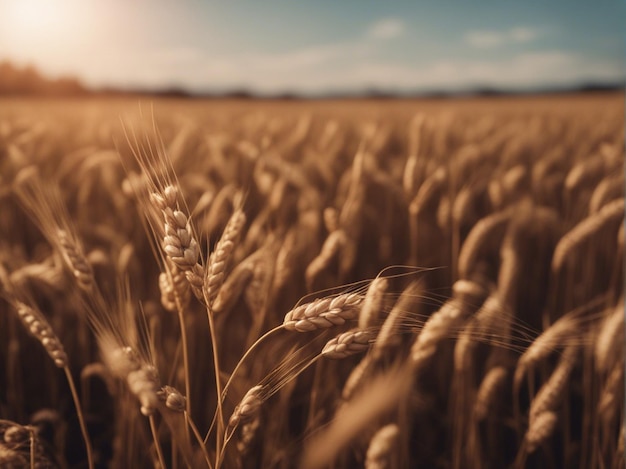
(316, 46)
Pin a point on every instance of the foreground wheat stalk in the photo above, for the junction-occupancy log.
(37, 325)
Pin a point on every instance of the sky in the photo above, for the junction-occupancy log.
(313, 47)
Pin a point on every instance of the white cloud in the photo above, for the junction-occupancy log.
(523, 34)
(310, 56)
(490, 39)
(387, 28)
(522, 71)
(353, 65)
(484, 39)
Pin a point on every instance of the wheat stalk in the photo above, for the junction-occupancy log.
(183, 257)
(177, 403)
(37, 325)
(45, 205)
(179, 242)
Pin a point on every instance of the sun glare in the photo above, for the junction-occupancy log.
(58, 36)
(37, 17)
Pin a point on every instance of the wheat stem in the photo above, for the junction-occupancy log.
(157, 445)
(79, 413)
(218, 384)
(198, 437)
(234, 372)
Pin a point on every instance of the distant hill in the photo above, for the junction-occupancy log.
(28, 81)
(20, 81)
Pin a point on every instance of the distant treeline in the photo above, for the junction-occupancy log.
(28, 81)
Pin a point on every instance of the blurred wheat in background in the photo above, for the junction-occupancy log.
(380, 284)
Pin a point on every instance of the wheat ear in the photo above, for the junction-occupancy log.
(349, 343)
(334, 243)
(216, 267)
(73, 253)
(179, 242)
(382, 448)
(323, 313)
(540, 430)
(141, 377)
(549, 394)
(20, 447)
(246, 411)
(174, 288)
(233, 286)
(610, 188)
(586, 230)
(176, 402)
(416, 144)
(557, 334)
(212, 283)
(490, 388)
(484, 326)
(610, 342)
(487, 234)
(440, 325)
(247, 408)
(356, 377)
(613, 390)
(37, 325)
(248, 433)
(373, 303)
(48, 273)
(46, 207)
(388, 336)
(11, 458)
(182, 257)
(425, 202)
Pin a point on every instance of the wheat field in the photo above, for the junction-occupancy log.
(278, 284)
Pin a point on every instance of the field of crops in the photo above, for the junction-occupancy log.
(266, 284)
